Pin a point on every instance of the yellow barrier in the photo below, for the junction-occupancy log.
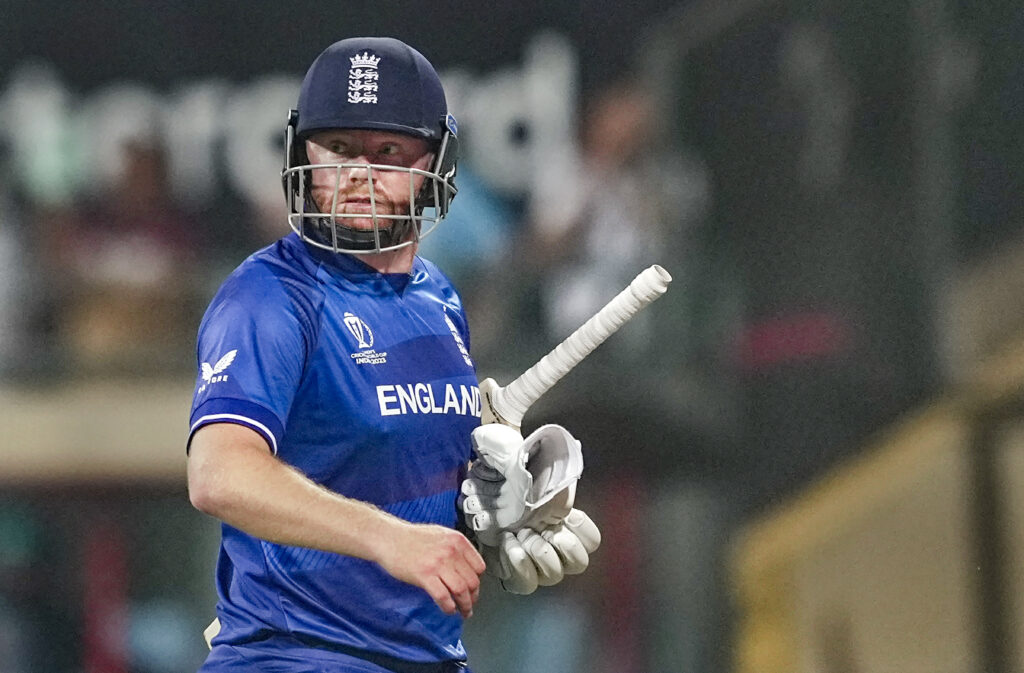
(876, 567)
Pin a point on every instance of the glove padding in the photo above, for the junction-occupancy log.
(527, 559)
(517, 483)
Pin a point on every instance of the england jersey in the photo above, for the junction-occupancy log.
(363, 381)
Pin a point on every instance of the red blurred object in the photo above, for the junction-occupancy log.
(622, 595)
(794, 338)
(105, 607)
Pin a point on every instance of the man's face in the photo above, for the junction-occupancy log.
(391, 189)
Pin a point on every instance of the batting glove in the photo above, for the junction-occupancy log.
(517, 483)
(527, 559)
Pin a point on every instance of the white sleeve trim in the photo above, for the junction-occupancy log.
(203, 420)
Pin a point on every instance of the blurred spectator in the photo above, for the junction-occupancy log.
(124, 270)
(632, 203)
(26, 352)
(13, 287)
(636, 199)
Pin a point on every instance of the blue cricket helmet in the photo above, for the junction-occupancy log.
(372, 83)
(376, 83)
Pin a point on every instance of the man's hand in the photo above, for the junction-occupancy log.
(439, 560)
(518, 497)
(517, 483)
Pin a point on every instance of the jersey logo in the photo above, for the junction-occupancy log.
(215, 373)
(360, 330)
(363, 335)
(424, 398)
(458, 338)
(362, 78)
(210, 372)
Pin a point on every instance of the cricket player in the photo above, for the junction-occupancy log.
(333, 416)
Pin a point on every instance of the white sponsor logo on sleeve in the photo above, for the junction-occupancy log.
(215, 373)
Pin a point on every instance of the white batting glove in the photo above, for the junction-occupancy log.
(574, 540)
(528, 559)
(517, 483)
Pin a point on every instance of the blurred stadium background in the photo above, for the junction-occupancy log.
(809, 456)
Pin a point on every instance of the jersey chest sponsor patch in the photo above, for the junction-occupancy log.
(428, 398)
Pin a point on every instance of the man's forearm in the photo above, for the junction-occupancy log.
(235, 479)
(233, 476)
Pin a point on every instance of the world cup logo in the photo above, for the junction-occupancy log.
(360, 330)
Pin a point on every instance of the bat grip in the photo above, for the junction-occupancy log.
(514, 399)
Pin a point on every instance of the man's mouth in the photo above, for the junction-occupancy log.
(358, 205)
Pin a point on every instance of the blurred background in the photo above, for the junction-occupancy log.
(807, 456)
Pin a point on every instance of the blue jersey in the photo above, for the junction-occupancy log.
(363, 382)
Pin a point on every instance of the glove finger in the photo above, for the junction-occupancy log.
(585, 529)
(571, 551)
(474, 483)
(469, 504)
(483, 521)
(543, 555)
(520, 574)
(483, 525)
(474, 504)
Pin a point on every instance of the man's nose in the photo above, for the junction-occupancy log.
(357, 173)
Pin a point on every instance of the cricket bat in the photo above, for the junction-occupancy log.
(508, 404)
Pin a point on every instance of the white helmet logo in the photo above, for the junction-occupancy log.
(362, 78)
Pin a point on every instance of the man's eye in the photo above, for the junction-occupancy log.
(338, 148)
(388, 150)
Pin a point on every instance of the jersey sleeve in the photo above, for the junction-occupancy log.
(251, 352)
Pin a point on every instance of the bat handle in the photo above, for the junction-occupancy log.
(493, 398)
(509, 404)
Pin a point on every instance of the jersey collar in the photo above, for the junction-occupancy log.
(353, 268)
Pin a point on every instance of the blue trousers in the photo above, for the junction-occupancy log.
(283, 654)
